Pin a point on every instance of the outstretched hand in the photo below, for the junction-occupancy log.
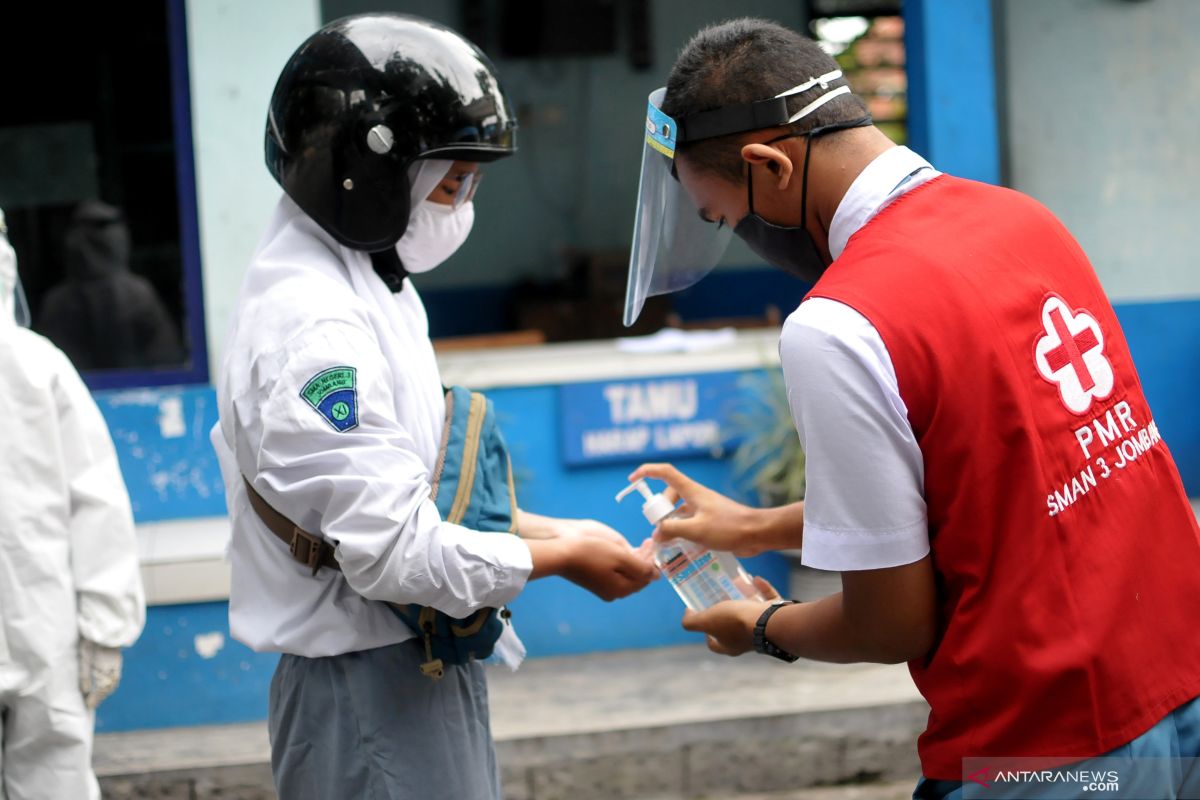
(729, 626)
(587, 553)
(605, 568)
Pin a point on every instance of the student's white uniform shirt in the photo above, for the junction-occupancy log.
(865, 499)
(307, 305)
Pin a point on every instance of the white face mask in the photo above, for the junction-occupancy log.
(435, 232)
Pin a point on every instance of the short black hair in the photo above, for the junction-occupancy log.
(742, 61)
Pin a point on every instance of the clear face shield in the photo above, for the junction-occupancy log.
(673, 247)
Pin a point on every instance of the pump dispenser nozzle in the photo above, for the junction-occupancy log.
(698, 575)
(656, 508)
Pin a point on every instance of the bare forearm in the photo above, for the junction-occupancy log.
(534, 526)
(823, 631)
(780, 528)
(885, 615)
(549, 556)
(816, 631)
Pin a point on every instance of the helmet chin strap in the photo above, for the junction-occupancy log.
(389, 268)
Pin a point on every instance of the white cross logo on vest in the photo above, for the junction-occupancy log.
(1071, 355)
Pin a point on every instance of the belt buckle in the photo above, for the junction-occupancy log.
(311, 557)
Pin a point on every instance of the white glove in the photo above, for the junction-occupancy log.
(99, 671)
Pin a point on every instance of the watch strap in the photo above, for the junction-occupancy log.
(764, 645)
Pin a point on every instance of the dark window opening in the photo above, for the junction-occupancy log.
(90, 179)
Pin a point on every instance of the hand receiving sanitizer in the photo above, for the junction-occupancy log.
(701, 577)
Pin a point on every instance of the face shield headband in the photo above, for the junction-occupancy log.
(673, 247)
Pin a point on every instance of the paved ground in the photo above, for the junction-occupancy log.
(649, 724)
(659, 724)
(677, 686)
(895, 790)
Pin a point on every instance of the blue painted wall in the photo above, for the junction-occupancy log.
(161, 436)
(952, 111)
(168, 683)
(1164, 338)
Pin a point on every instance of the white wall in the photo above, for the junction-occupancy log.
(1103, 104)
(236, 50)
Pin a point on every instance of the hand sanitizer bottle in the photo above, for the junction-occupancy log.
(700, 577)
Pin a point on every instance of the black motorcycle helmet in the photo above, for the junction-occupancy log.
(365, 97)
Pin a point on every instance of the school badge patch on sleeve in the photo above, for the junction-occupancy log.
(333, 395)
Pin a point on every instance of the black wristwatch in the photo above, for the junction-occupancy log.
(764, 645)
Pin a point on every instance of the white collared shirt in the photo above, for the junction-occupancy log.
(357, 472)
(865, 499)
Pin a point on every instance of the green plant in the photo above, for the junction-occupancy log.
(768, 458)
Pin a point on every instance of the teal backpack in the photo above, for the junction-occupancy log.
(472, 487)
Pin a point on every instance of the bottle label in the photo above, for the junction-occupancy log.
(701, 582)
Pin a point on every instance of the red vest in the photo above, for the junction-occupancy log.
(1066, 554)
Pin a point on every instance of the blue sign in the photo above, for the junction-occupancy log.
(161, 437)
(646, 419)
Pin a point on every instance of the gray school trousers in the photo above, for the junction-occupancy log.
(370, 726)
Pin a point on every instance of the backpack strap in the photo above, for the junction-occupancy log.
(472, 484)
(307, 549)
(470, 459)
(432, 668)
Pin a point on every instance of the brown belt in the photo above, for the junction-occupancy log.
(307, 549)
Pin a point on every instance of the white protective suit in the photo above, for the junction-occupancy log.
(68, 561)
(307, 306)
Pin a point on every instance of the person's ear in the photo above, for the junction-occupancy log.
(777, 161)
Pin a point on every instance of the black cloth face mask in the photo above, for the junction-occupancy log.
(790, 248)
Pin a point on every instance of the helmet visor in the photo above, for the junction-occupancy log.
(673, 248)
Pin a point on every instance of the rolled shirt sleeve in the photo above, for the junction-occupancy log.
(366, 489)
(864, 504)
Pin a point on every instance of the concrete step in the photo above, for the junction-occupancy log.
(891, 790)
(667, 723)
